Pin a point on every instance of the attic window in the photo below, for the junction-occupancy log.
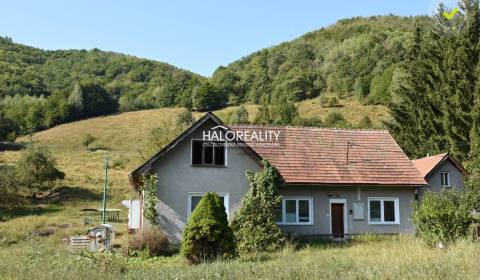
(445, 179)
(208, 153)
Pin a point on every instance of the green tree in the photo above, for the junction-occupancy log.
(441, 217)
(239, 116)
(283, 111)
(206, 235)
(263, 116)
(254, 224)
(207, 97)
(8, 129)
(10, 188)
(37, 169)
(184, 119)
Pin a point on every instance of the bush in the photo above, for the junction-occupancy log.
(441, 217)
(239, 116)
(207, 235)
(329, 102)
(150, 239)
(87, 140)
(254, 224)
(37, 169)
(184, 119)
(335, 119)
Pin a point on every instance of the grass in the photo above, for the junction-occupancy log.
(390, 258)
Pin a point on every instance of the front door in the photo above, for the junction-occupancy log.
(337, 220)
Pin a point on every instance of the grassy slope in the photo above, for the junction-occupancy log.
(122, 135)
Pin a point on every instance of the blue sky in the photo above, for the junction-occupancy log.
(195, 35)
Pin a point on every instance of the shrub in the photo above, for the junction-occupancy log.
(335, 119)
(87, 140)
(149, 189)
(239, 116)
(150, 239)
(328, 102)
(254, 224)
(37, 169)
(184, 119)
(207, 235)
(441, 217)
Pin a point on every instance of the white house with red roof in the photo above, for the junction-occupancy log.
(441, 171)
(337, 182)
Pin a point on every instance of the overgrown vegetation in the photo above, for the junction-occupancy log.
(150, 240)
(442, 218)
(150, 198)
(254, 224)
(207, 235)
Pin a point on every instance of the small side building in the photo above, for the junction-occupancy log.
(440, 171)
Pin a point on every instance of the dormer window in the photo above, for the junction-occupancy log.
(208, 153)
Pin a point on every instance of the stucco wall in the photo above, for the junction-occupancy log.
(321, 208)
(176, 178)
(456, 177)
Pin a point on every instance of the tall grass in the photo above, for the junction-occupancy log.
(392, 258)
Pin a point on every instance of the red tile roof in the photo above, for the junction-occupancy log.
(427, 164)
(337, 156)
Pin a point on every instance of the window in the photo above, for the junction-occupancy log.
(208, 153)
(194, 199)
(383, 211)
(295, 210)
(445, 179)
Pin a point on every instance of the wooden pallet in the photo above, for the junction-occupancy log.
(79, 241)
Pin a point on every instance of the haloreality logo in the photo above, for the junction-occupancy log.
(250, 136)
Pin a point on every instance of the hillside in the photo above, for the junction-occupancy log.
(121, 136)
(353, 58)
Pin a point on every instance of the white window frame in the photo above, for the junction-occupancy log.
(382, 218)
(225, 196)
(448, 179)
(208, 165)
(297, 198)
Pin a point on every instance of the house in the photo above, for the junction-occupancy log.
(336, 181)
(440, 171)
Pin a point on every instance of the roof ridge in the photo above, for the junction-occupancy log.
(310, 127)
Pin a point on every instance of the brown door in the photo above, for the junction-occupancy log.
(337, 220)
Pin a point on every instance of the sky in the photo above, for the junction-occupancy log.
(194, 35)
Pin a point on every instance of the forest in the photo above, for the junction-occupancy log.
(354, 57)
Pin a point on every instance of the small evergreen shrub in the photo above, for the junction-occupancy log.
(150, 239)
(254, 224)
(441, 217)
(239, 116)
(207, 235)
